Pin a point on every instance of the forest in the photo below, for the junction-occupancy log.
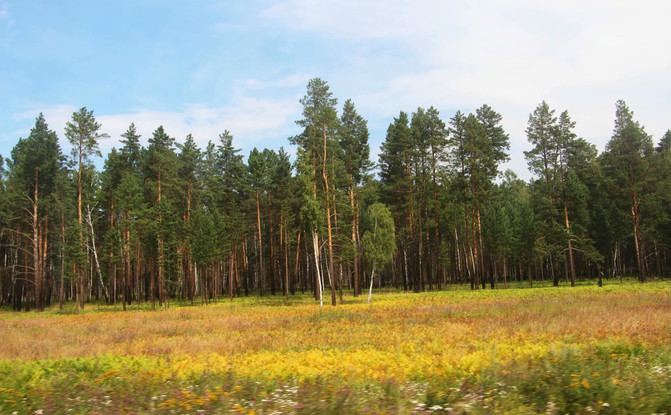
(175, 222)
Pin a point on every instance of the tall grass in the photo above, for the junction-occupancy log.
(546, 349)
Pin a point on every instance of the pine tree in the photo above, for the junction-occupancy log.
(429, 138)
(353, 136)
(233, 177)
(319, 142)
(130, 203)
(189, 173)
(35, 165)
(281, 183)
(629, 164)
(396, 179)
(83, 134)
(161, 173)
(257, 173)
(111, 177)
(477, 147)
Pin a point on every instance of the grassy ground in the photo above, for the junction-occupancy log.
(520, 350)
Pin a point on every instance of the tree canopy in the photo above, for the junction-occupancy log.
(169, 221)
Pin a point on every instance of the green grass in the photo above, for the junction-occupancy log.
(520, 350)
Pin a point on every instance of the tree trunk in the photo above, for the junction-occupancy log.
(355, 259)
(258, 225)
(61, 294)
(468, 252)
(505, 272)
(436, 243)
(245, 268)
(37, 268)
(570, 247)
(95, 253)
(338, 280)
(137, 271)
(272, 259)
(474, 241)
(481, 244)
(298, 252)
(370, 290)
(162, 296)
(284, 242)
(640, 256)
(319, 283)
(328, 222)
(126, 267)
(231, 271)
(190, 282)
(77, 272)
(420, 252)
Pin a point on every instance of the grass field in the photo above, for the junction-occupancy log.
(542, 350)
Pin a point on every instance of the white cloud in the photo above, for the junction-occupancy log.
(396, 55)
(6, 15)
(580, 56)
(55, 115)
(291, 81)
(253, 122)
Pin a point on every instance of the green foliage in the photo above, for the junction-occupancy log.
(506, 362)
(353, 138)
(378, 241)
(395, 161)
(179, 211)
(632, 172)
(36, 160)
(541, 132)
(131, 147)
(83, 133)
(320, 117)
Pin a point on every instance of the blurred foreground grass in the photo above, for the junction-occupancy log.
(520, 350)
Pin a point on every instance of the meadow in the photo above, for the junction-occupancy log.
(547, 350)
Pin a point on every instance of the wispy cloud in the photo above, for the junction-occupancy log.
(5, 15)
(291, 81)
(253, 122)
(248, 73)
(512, 55)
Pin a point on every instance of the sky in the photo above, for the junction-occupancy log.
(203, 67)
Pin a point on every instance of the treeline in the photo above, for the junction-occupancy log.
(174, 221)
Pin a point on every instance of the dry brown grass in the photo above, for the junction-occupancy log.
(425, 322)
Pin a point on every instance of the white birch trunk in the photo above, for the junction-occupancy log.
(320, 282)
(95, 253)
(370, 290)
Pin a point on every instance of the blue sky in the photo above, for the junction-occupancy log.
(205, 66)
